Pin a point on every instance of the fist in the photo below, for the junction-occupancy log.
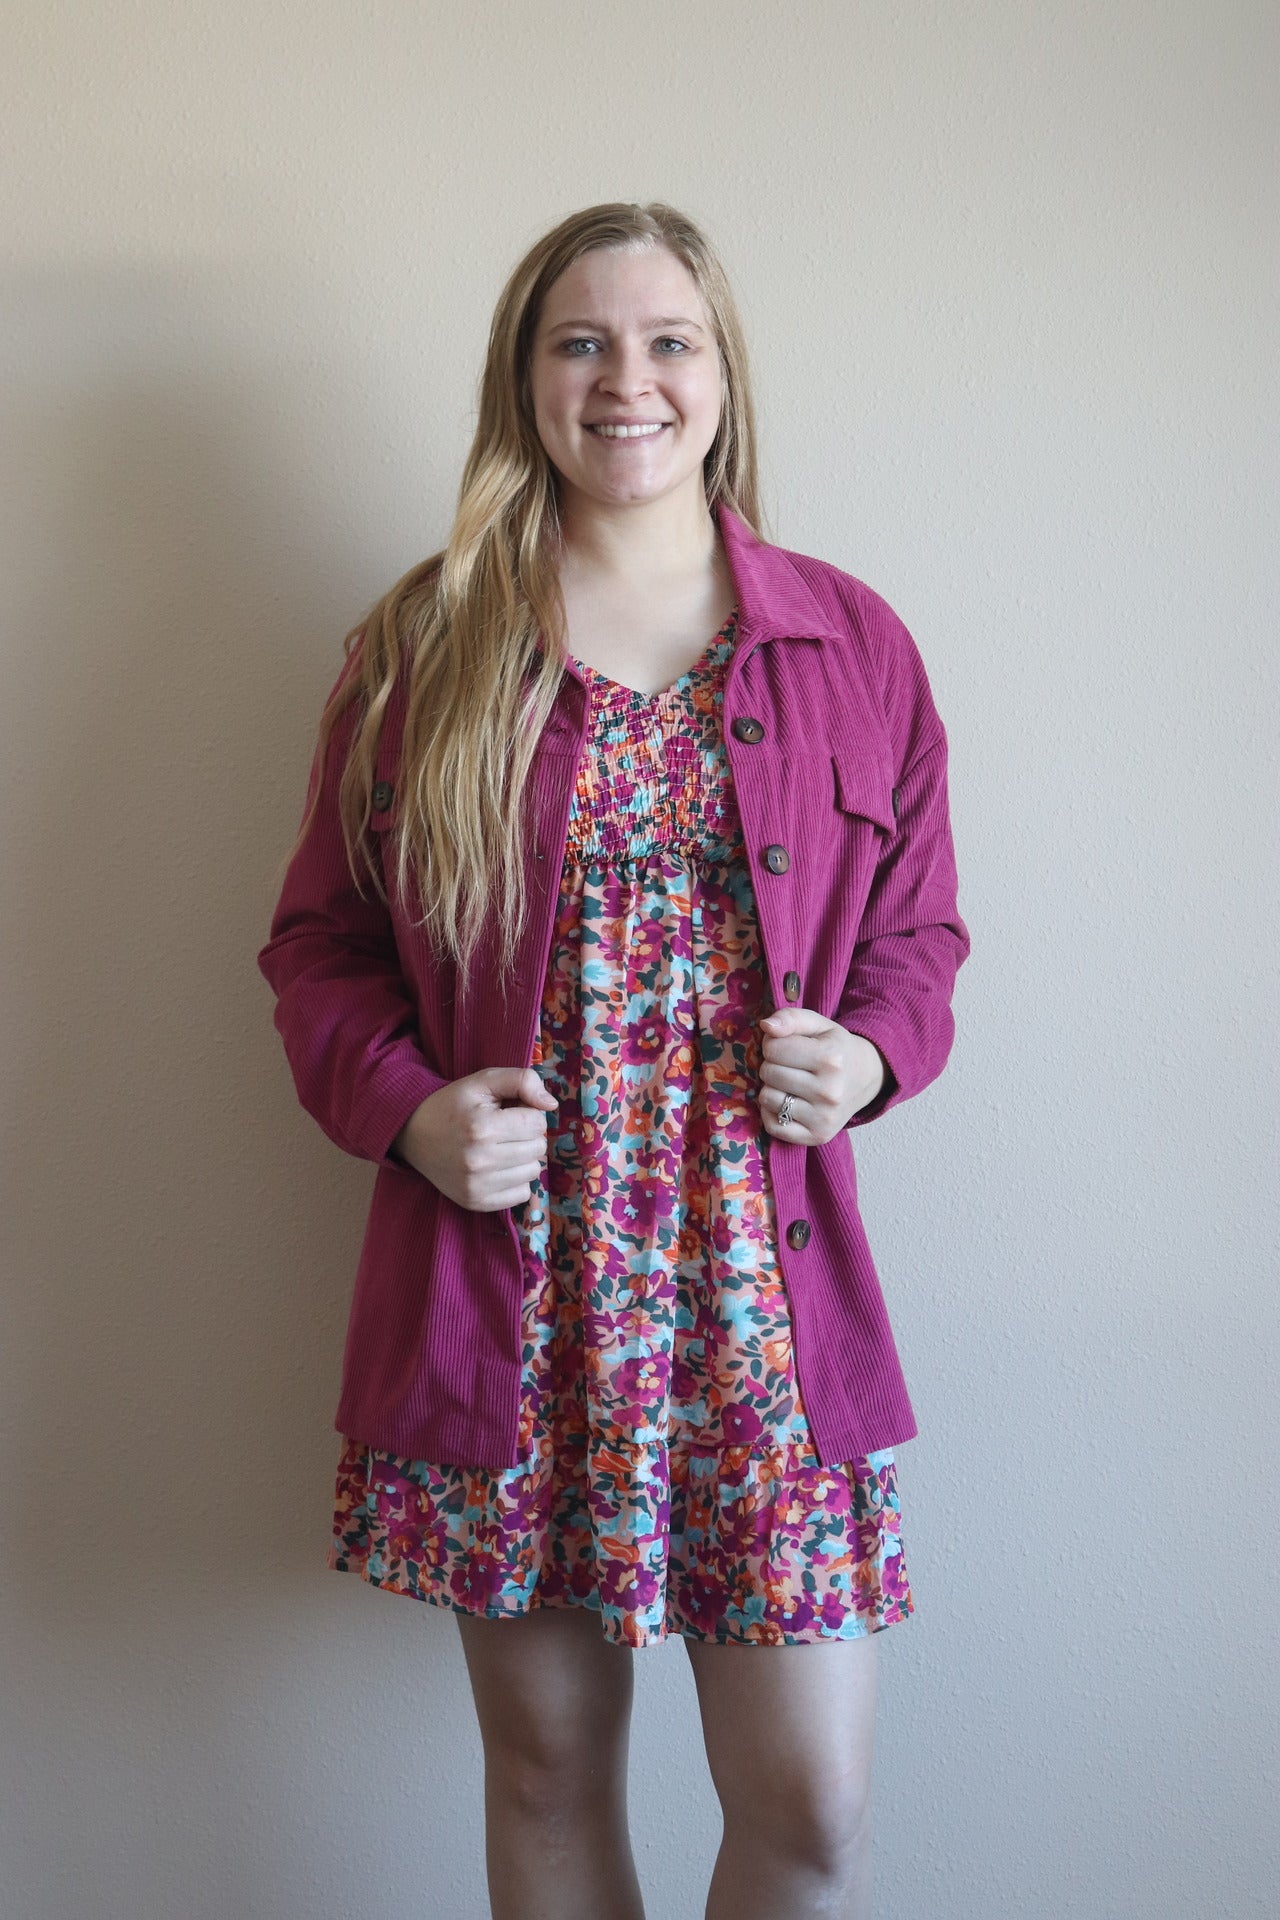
(482, 1140)
(831, 1073)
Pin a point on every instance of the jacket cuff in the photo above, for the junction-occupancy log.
(399, 1090)
(884, 1038)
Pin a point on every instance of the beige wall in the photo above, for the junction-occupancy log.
(1008, 273)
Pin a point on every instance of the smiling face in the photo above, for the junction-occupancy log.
(624, 341)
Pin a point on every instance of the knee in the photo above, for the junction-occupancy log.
(532, 1786)
(543, 1771)
(822, 1822)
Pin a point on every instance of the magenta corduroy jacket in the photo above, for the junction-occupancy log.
(839, 765)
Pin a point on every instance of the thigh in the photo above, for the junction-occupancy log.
(790, 1730)
(549, 1688)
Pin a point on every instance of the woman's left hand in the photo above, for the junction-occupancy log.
(831, 1072)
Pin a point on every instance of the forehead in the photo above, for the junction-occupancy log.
(621, 286)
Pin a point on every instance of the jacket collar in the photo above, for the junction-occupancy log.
(773, 599)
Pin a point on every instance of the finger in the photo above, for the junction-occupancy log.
(508, 1156)
(515, 1123)
(795, 1080)
(789, 1021)
(522, 1085)
(774, 1111)
(791, 1049)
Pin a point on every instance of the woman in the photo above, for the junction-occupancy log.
(592, 778)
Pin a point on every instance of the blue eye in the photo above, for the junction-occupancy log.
(581, 340)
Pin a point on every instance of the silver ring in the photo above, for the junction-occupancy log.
(784, 1111)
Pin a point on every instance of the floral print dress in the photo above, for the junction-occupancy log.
(667, 1477)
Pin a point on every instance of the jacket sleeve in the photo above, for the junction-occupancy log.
(344, 1010)
(911, 941)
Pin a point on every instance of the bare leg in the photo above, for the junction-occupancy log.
(789, 1734)
(553, 1698)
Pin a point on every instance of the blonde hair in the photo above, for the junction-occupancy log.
(463, 625)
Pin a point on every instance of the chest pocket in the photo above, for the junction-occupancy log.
(864, 787)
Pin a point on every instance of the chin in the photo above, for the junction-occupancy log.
(640, 493)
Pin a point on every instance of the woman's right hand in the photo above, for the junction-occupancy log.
(482, 1154)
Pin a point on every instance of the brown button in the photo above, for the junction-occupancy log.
(798, 1233)
(382, 795)
(777, 859)
(894, 797)
(746, 727)
(791, 985)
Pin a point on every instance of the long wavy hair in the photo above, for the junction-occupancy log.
(478, 629)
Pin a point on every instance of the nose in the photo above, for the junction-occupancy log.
(626, 371)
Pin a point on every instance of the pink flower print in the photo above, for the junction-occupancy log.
(835, 1610)
(435, 1545)
(868, 1538)
(639, 1378)
(741, 1424)
(478, 1580)
(797, 1614)
(680, 1063)
(703, 1599)
(627, 1584)
(828, 1492)
(894, 1580)
(404, 1542)
(684, 1382)
(745, 1528)
(644, 1042)
(638, 1206)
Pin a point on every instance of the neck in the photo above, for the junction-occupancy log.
(671, 538)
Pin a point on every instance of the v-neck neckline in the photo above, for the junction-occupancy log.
(663, 693)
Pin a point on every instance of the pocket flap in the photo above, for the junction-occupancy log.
(865, 786)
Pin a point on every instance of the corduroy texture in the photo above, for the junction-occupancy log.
(844, 808)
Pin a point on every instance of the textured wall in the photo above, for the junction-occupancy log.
(1008, 274)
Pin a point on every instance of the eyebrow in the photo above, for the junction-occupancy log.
(597, 326)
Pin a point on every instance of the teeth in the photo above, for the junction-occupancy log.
(628, 433)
